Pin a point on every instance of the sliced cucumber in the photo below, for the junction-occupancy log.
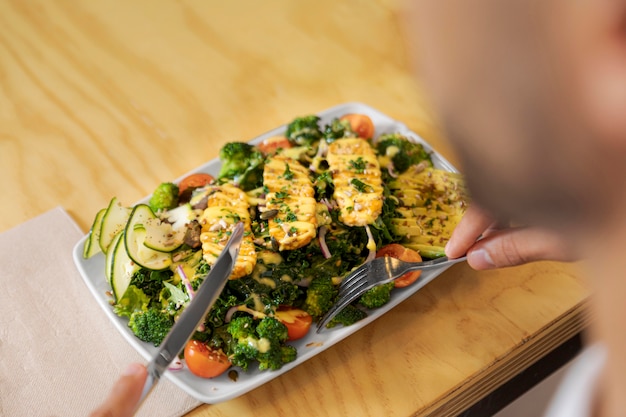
(143, 255)
(135, 236)
(92, 243)
(113, 221)
(139, 214)
(108, 260)
(122, 268)
(161, 236)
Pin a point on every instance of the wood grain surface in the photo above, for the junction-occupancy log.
(110, 98)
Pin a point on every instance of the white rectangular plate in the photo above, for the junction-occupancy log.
(223, 388)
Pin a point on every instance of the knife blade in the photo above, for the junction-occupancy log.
(195, 312)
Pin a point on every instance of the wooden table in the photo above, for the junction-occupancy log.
(110, 98)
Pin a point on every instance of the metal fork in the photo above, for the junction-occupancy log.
(376, 272)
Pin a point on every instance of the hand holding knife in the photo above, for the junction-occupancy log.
(195, 312)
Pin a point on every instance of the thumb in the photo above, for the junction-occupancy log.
(511, 247)
(125, 394)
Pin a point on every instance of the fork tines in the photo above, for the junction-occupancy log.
(353, 281)
(350, 289)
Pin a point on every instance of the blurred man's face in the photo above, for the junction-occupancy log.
(504, 77)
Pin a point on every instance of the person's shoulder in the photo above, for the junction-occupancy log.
(575, 396)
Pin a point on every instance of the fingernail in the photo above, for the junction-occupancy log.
(480, 259)
(447, 248)
(133, 369)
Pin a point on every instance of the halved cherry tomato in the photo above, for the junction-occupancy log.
(398, 251)
(204, 361)
(270, 145)
(191, 182)
(361, 124)
(298, 321)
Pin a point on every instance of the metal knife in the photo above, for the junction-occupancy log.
(195, 312)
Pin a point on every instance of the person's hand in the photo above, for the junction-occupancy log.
(125, 394)
(503, 246)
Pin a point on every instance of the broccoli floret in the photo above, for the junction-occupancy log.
(347, 316)
(277, 354)
(165, 197)
(263, 343)
(402, 151)
(241, 327)
(320, 296)
(272, 358)
(304, 130)
(377, 296)
(151, 325)
(272, 329)
(288, 353)
(242, 163)
(338, 129)
(243, 353)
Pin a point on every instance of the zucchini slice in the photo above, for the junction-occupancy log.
(113, 221)
(92, 243)
(135, 236)
(108, 260)
(122, 268)
(161, 236)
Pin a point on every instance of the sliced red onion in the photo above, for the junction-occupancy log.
(186, 282)
(392, 170)
(370, 238)
(244, 308)
(322, 239)
(322, 149)
(229, 314)
(177, 365)
(330, 204)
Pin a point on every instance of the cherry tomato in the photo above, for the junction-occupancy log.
(190, 182)
(204, 361)
(398, 251)
(298, 321)
(361, 124)
(270, 145)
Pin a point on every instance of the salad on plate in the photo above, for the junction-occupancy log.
(317, 201)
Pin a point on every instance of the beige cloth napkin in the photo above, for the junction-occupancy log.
(59, 354)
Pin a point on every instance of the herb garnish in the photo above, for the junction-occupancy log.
(358, 165)
(361, 186)
(288, 175)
